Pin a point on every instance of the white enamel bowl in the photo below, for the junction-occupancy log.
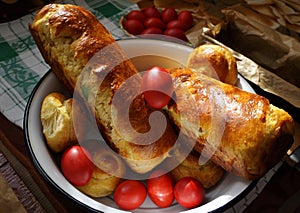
(145, 53)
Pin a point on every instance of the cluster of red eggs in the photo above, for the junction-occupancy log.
(151, 21)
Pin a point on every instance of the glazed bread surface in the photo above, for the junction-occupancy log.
(238, 130)
(68, 37)
(215, 61)
(57, 116)
(107, 174)
(209, 173)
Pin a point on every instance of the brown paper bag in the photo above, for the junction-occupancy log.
(277, 54)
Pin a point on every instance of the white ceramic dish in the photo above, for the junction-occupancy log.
(145, 53)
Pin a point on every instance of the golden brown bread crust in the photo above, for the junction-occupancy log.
(73, 33)
(57, 113)
(108, 172)
(249, 134)
(209, 174)
(68, 36)
(214, 61)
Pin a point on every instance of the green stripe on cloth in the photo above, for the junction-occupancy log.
(108, 9)
(6, 52)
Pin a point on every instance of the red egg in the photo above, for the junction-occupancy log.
(152, 30)
(151, 12)
(154, 22)
(186, 17)
(137, 15)
(134, 27)
(168, 14)
(177, 24)
(176, 33)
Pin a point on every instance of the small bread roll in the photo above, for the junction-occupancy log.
(108, 172)
(215, 61)
(185, 163)
(209, 174)
(56, 115)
